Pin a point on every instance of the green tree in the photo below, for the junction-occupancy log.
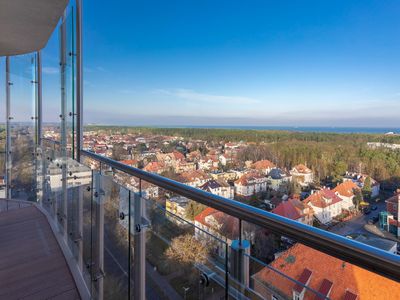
(367, 188)
(338, 171)
(193, 209)
(358, 198)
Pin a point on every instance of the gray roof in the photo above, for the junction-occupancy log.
(376, 242)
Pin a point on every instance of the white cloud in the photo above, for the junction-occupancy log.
(202, 97)
(50, 70)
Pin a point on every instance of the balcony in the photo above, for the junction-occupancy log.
(78, 225)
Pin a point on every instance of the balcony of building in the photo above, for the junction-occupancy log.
(75, 224)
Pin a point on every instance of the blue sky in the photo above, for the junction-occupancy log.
(301, 63)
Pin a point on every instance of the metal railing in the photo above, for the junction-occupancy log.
(364, 256)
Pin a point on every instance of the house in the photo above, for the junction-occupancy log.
(325, 204)
(295, 210)
(389, 220)
(183, 166)
(226, 176)
(303, 175)
(155, 167)
(345, 191)
(250, 184)
(308, 270)
(278, 180)
(176, 208)
(212, 226)
(377, 242)
(170, 159)
(130, 162)
(220, 188)
(359, 179)
(194, 178)
(265, 166)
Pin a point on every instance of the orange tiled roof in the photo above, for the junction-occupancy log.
(228, 226)
(128, 161)
(319, 198)
(154, 166)
(346, 188)
(178, 155)
(291, 209)
(263, 164)
(245, 178)
(191, 176)
(344, 276)
(300, 168)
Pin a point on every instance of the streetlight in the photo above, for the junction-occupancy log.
(185, 289)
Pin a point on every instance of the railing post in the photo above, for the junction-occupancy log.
(240, 251)
(139, 259)
(64, 134)
(99, 234)
(79, 81)
(39, 111)
(8, 130)
(39, 122)
(79, 113)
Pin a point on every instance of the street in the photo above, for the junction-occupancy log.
(356, 224)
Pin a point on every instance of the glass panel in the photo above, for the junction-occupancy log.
(111, 202)
(88, 233)
(68, 120)
(2, 130)
(2, 170)
(183, 259)
(22, 130)
(51, 91)
(79, 179)
(49, 179)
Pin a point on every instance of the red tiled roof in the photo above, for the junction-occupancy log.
(300, 168)
(245, 178)
(191, 176)
(229, 225)
(395, 199)
(346, 188)
(288, 210)
(319, 198)
(394, 222)
(154, 166)
(345, 276)
(263, 164)
(178, 155)
(304, 277)
(324, 289)
(349, 296)
(128, 161)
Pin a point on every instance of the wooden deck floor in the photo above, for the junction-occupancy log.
(32, 265)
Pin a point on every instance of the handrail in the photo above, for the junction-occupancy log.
(362, 255)
(51, 141)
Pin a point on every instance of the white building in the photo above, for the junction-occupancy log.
(359, 179)
(303, 175)
(278, 179)
(325, 204)
(220, 188)
(345, 191)
(250, 184)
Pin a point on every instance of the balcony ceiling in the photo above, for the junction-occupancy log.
(26, 25)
